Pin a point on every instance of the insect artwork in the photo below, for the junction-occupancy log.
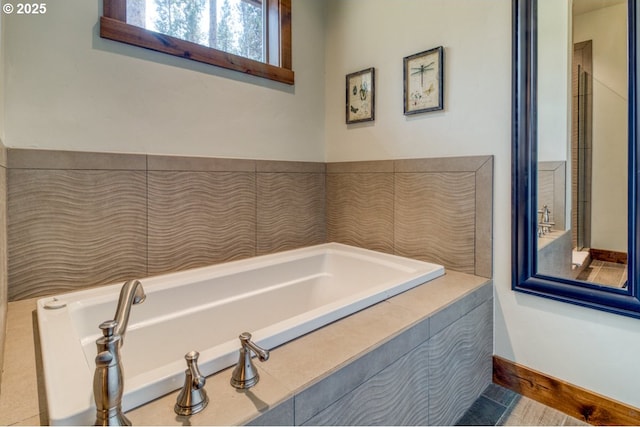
(423, 77)
(360, 94)
(421, 70)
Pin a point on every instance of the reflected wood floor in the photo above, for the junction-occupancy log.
(605, 273)
(498, 406)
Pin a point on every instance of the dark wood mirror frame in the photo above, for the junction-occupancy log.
(525, 277)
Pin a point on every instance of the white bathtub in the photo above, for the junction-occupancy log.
(275, 297)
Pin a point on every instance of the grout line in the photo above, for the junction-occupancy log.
(508, 409)
(495, 401)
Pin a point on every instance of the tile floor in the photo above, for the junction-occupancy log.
(498, 406)
(606, 273)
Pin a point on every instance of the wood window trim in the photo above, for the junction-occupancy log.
(113, 26)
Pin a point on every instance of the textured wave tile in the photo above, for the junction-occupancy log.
(72, 229)
(3, 226)
(360, 210)
(3, 250)
(397, 395)
(435, 218)
(545, 190)
(291, 210)
(200, 218)
(460, 365)
(551, 190)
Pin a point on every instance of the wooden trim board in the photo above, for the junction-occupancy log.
(577, 402)
(609, 256)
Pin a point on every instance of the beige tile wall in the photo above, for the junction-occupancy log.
(360, 204)
(436, 210)
(84, 219)
(73, 227)
(300, 221)
(551, 191)
(199, 218)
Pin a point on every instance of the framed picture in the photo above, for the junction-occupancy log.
(423, 81)
(361, 96)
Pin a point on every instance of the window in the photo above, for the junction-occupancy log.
(250, 36)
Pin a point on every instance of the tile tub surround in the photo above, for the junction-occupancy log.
(326, 372)
(551, 191)
(78, 219)
(438, 209)
(554, 254)
(85, 219)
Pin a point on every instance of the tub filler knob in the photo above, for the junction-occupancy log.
(193, 397)
(245, 375)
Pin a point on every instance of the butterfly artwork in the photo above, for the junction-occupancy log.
(360, 102)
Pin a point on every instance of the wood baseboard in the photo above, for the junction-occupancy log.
(577, 402)
(609, 256)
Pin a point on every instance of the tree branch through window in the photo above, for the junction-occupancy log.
(249, 36)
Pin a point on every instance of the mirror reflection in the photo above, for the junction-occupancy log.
(582, 140)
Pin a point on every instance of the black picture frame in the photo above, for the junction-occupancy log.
(424, 81)
(360, 96)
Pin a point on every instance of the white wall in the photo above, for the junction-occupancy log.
(554, 91)
(607, 28)
(589, 348)
(71, 90)
(554, 76)
(379, 33)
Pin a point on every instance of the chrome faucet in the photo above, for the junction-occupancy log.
(245, 375)
(130, 294)
(108, 379)
(193, 397)
(545, 224)
(545, 214)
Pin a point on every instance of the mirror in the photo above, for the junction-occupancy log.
(553, 95)
(582, 140)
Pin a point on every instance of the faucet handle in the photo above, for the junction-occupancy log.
(245, 340)
(192, 365)
(245, 375)
(193, 397)
(108, 328)
(110, 338)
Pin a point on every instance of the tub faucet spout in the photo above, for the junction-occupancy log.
(130, 294)
(108, 378)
